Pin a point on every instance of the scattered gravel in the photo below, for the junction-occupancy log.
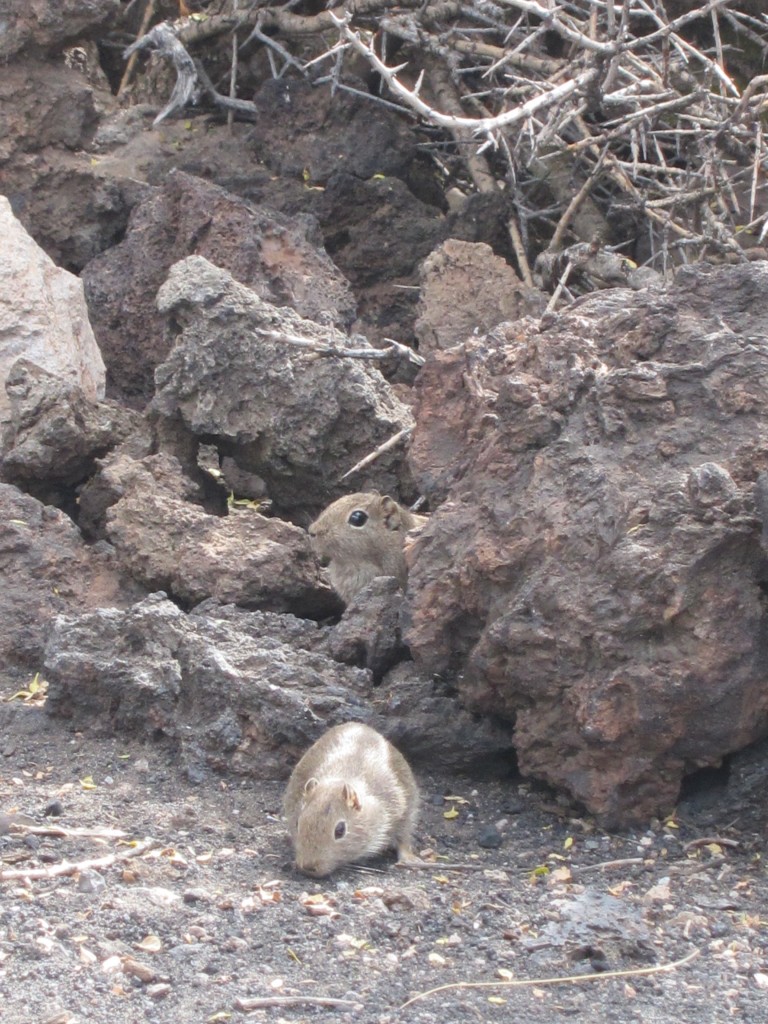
(197, 914)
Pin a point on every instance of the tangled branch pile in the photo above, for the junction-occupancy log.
(636, 125)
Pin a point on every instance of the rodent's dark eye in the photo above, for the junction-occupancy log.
(358, 518)
(341, 830)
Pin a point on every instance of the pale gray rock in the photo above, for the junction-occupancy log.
(43, 315)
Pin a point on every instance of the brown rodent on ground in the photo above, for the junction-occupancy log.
(351, 796)
(362, 536)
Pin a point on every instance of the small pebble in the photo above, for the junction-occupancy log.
(54, 809)
(489, 838)
(90, 882)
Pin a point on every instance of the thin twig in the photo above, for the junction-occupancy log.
(245, 1005)
(73, 868)
(58, 832)
(149, 13)
(571, 979)
(708, 840)
(558, 290)
(392, 442)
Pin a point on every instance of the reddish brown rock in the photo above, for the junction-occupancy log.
(167, 542)
(596, 573)
(47, 570)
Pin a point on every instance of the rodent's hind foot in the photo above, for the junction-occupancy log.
(407, 858)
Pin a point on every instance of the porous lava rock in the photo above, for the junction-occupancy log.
(467, 289)
(48, 569)
(248, 377)
(594, 572)
(163, 539)
(56, 434)
(245, 692)
(40, 25)
(280, 259)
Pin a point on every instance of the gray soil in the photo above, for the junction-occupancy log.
(211, 914)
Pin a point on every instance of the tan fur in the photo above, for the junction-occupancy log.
(354, 554)
(352, 781)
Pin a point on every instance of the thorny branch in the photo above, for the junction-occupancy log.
(603, 123)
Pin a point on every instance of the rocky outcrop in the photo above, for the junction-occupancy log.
(248, 377)
(43, 316)
(47, 570)
(280, 260)
(241, 691)
(596, 573)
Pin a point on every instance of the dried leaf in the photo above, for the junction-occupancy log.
(88, 783)
(562, 874)
(150, 944)
(450, 815)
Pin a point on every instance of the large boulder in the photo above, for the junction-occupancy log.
(595, 572)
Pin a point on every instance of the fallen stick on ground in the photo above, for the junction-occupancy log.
(569, 979)
(72, 868)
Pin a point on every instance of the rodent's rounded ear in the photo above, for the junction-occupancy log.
(349, 794)
(390, 513)
(309, 785)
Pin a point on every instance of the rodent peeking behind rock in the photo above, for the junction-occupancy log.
(351, 796)
(362, 536)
